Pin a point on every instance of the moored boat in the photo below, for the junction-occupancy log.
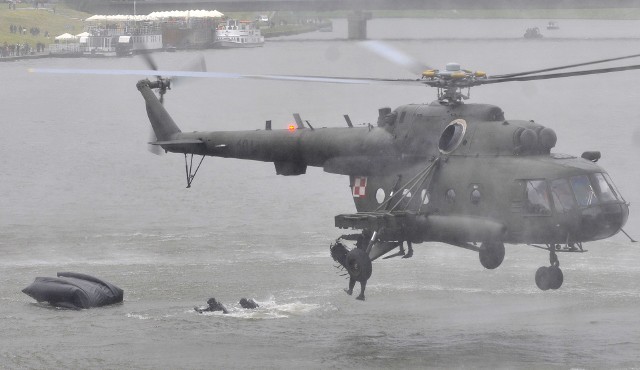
(238, 34)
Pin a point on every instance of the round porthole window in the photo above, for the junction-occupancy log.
(452, 136)
(475, 196)
(425, 196)
(450, 195)
(380, 195)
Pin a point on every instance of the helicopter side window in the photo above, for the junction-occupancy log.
(537, 201)
(562, 196)
(606, 192)
(451, 196)
(583, 190)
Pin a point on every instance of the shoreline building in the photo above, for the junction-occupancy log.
(121, 35)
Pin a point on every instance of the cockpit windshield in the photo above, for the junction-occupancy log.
(537, 201)
(562, 195)
(568, 193)
(605, 191)
(585, 196)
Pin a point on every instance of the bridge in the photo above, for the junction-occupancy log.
(359, 11)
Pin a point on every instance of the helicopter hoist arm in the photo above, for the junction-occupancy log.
(395, 220)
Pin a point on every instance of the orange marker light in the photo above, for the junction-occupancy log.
(292, 128)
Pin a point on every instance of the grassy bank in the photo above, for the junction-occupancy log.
(56, 23)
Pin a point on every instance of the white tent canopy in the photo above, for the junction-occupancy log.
(66, 36)
(116, 18)
(83, 34)
(156, 15)
(186, 14)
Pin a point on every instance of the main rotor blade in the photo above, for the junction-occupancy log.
(136, 72)
(566, 66)
(149, 60)
(395, 56)
(493, 80)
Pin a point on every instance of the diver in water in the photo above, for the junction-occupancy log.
(248, 303)
(213, 305)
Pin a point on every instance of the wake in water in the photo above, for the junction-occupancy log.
(268, 309)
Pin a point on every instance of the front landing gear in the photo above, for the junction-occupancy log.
(550, 277)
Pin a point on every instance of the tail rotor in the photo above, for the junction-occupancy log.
(162, 84)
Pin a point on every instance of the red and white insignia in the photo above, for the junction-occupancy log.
(359, 187)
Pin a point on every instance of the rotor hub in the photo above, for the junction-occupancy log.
(451, 81)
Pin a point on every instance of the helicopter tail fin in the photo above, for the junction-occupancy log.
(163, 125)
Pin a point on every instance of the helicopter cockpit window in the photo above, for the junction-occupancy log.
(613, 187)
(562, 196)
(583, 190)
(606, 192)
(452, 136)
(537, 201)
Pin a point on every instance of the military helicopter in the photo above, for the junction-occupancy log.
(448, 171)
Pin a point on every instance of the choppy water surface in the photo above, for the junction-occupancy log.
(81, 193)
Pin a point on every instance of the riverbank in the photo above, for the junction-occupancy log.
(26, 29)
(293, 29)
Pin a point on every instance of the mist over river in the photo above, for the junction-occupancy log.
(80, 192)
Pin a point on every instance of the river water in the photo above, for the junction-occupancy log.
(80, 192)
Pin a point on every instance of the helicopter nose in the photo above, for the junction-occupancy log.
(603, 221)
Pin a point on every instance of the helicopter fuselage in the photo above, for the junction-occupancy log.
(488, 179)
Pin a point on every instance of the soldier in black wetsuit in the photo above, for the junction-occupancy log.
(248, 303)
(213, 305)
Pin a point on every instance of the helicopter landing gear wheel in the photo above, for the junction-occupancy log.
(550, 277)
(358, 264)
(542, 278)
(491, 254)
(556, 277)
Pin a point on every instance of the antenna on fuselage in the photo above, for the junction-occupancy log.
(296, 117)
(346, 118)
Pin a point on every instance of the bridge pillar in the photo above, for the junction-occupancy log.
(357, 25)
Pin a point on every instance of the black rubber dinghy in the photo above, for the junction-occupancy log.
(74, 291)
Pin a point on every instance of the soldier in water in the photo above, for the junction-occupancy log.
(213, 305)
(248, 303)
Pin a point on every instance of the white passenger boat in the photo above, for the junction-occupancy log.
(119, 35)
(238, 34)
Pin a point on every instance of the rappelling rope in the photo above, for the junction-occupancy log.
(410, 186)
